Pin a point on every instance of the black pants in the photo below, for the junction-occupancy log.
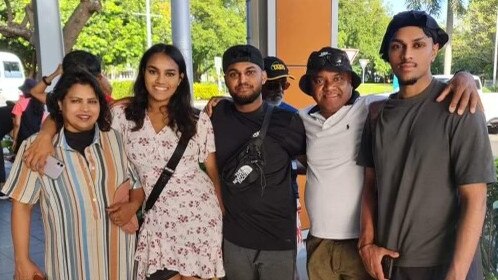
(6, 125)
(438, 272)
(162, 274)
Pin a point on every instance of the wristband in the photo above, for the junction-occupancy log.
(44, 79)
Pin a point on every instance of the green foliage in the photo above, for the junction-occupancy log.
(359, 30)
(122, 89)
(205, 91)
(202, 91)
(434, 7)
(117, 34)
(19, 46)
(489, 241)
(371, 88)
(216, 25)
(473, 41)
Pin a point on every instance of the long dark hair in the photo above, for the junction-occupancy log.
(66, 81)
(181, 116)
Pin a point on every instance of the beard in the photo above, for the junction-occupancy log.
(246, 99)
(274, 102)
(408, 82)
(274, 99)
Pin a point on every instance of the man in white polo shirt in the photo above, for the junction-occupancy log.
(333, 181)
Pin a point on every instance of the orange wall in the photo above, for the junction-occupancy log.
(302, 26)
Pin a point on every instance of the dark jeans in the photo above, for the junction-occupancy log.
(251, 264)
(2, 166)
(6, 125)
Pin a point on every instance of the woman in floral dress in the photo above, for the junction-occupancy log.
(182, 233)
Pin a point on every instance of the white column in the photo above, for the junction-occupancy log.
(48, 31)
(182, 38)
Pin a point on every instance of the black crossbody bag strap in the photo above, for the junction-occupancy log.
(168, 171)
(266, 122)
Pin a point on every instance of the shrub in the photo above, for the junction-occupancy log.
(205, 91)
(489, 240)
(122, 89)
(202, 91)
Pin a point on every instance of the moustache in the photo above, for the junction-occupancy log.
(243, 86)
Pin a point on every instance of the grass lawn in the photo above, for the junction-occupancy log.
(371, 88)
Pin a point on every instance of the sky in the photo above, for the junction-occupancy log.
(396, 6)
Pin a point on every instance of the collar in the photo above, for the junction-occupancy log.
(61, 142)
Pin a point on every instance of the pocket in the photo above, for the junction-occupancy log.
(312, 244)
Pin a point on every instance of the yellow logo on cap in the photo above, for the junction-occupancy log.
(277, 66)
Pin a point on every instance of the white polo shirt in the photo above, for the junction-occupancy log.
(333, 180)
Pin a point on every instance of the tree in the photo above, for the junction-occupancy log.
(115, 29)
(117, 34)
(17, 23)
(434, 7)
(216, 25)
(359, 31)
(474, 38)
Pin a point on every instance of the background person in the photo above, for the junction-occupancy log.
(28, 115)
(6, 127)
(78, 232)
(273, 91)
(72, 60)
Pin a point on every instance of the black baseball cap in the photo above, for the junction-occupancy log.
(327, 58)
(412, 18)
(275, 68)
(242, 53)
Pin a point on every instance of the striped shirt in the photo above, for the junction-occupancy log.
(80, 240)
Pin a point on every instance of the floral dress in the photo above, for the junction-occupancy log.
(183, 230)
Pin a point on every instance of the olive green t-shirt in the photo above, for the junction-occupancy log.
(422, 154)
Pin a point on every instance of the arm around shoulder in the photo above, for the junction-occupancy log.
(36, 155)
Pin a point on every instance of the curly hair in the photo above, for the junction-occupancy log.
(181, 117)
(66, 81)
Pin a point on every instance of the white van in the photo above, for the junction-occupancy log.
(11, 77)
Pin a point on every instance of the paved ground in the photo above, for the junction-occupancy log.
(36, 243)
(37, 250)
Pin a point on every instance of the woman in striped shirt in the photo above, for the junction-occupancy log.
(81, 241)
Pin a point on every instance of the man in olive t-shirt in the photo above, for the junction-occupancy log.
(427, 169)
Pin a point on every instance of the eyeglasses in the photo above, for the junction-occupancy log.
(277, 85)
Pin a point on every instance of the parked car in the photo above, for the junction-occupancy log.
(493, 126)
(489, 101)
(11, 77)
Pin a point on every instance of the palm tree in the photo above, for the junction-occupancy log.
(433, 7)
